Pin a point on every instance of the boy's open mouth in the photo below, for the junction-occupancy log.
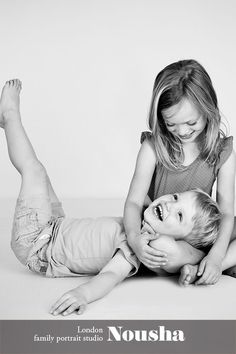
(158, 211)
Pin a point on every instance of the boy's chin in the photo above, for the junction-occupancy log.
(147, 228)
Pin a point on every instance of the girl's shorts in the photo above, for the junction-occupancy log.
(33, 224)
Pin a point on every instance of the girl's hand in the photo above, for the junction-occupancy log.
(149, 256)
(210, 270)
(69, 302)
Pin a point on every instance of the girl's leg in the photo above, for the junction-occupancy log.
(22, 155)
(229, 262)
(188, 274)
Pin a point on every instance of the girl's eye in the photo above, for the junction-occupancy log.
(169, 125)
(175, 196)
(193, 123)
(180, 216)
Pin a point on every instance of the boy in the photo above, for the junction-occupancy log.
(48, 243)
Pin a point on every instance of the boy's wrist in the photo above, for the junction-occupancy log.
(83, 292)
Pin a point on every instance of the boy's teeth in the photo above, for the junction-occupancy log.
(159, 211)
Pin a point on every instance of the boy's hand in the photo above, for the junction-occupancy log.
(69, 302)
(149, 256)
(210, 270)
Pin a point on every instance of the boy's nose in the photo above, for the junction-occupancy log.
(171, 205)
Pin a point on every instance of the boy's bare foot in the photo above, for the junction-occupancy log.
(188, 274)
(9, 101)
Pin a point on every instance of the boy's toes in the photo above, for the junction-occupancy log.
(18, 84)
(10, 83)
(14, 83)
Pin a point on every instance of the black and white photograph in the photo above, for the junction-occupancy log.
(117, 138)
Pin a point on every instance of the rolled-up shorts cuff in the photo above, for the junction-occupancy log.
(32, 230)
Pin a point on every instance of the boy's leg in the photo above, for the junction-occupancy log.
(22, 155)
(34, 205)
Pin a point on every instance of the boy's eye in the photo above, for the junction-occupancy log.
(175, 196)
(180, 216)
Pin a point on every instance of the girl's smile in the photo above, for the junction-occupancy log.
(184, 121)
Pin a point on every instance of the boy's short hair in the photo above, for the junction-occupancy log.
(206, 221)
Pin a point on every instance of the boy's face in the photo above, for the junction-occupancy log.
(172, 214)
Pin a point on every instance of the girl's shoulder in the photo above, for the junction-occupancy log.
(225, 150)
(147, 135)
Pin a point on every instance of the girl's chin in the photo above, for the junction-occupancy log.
(188, 139)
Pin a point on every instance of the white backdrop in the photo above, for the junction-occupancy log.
(88, 68)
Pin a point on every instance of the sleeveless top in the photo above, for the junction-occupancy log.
(199, 174)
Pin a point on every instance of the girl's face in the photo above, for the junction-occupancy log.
(172, 214)
(184, 121)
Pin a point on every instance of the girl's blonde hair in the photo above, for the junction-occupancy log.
(184, 79)
(206, 221)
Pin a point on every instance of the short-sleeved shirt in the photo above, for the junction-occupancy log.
(199, 174)
(80, 247)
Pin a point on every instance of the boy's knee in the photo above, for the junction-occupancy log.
(35, 168)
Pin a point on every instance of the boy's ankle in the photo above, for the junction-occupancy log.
(11, 114)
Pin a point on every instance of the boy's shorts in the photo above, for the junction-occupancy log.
(33, 224)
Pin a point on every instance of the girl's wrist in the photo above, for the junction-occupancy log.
(217, 254)
(132, 237)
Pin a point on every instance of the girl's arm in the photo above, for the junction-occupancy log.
(116, 270)
(145, 166)
(211, 265)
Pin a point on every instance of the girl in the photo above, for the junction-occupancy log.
(185, 149)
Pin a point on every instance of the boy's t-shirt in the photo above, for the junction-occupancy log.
(80, 247)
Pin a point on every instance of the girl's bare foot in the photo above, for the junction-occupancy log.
(10, 100)
(188, 274)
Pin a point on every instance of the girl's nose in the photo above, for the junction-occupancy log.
(182, 130)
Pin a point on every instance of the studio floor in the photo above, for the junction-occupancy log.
(25, 295)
